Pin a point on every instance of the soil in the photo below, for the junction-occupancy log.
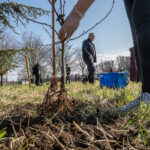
(66, 130)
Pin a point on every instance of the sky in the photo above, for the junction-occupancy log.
(113, 35)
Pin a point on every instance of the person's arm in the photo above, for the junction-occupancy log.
(84, 49)
(83, 5)
(74, 18)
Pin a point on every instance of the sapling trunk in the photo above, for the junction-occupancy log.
(63, 70)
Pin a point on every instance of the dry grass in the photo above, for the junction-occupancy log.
(85, 123)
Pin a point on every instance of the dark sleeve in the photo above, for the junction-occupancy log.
(32, 68)
(38, 67)
(95, 59)
(84, 49)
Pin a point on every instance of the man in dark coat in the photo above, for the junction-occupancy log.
(37, 72)
(89, 57)
(68, 70)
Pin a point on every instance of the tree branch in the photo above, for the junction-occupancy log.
(42, 23)
(85, 32)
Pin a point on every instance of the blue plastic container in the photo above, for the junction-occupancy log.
(113, 79)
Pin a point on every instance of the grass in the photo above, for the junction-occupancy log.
(91, 96)
(20, 94)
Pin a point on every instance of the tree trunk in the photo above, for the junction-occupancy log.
(63, 70)
(53, 37)
(1, 79)
(6, 79)
(28, 71)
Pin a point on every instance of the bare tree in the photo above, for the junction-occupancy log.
(79, 64)
(123, 63)
(7, 41)
(34, 49)
(106, 65)
(22, 74)
(70, 58)
(7, 53)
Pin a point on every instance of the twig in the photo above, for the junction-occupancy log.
(28, 123)
(57, 43)
(123, 143)
(23, 132)
(43, 126)
(81, 130)
(119, 130)
(61, 8)
(47, 134)
(61, 130)
(20, 125)
(82, 142)
(64, 6)
(104, 133)
(58, 141)
(42, 23)
(98, 124)
(13, 127)
(47, 32)
(99, 141)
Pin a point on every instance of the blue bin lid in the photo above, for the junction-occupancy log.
(104, 73)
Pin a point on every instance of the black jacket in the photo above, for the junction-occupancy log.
(36, 69)
(88, 49)
(68, 70)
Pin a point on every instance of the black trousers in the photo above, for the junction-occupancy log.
(91, 70)
(37, 79)
(68, 79)
(138, 12)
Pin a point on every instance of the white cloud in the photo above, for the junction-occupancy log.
(110, 56)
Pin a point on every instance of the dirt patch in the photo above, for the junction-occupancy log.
(66, 129)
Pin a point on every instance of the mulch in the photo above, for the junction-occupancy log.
(66, 129)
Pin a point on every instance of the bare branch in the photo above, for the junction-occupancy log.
(54, 9)
(85, 32)
(60, 17)
(47, 32)
(61, 8)
(64, 6)
(57, 43)
(42, 23)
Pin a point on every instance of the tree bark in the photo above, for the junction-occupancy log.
(1, 79)
(53, 37)
(6, 79)
(63, 71)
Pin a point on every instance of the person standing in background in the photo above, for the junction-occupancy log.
(68, 70)
(89, 56)
(37, 72)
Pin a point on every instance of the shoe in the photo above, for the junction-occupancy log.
(144, 97)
